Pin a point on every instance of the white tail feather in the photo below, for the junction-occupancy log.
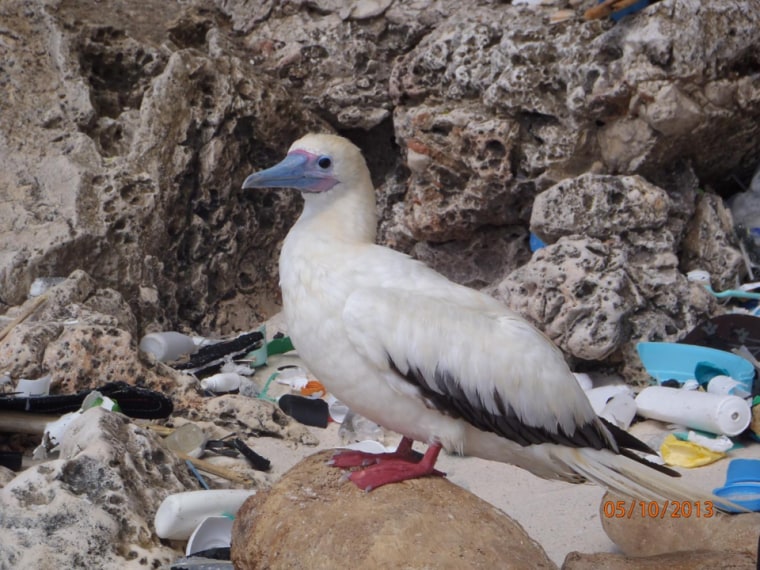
(625, 476)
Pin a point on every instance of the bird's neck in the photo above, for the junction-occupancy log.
(344, 215)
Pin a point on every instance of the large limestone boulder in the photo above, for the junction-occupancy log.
(610, 277)
(497, 85)
(313, 518)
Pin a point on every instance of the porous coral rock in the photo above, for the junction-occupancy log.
(93, 507)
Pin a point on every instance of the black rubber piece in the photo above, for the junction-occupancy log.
(133, 401)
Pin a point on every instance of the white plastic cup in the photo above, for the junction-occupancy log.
(179, 514)
(38, 387)
(167, 346)
(188, 439)
(338, 410)
(727, 415)
(213, 532)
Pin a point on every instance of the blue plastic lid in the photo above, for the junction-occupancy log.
(678, 361)
(745, 495)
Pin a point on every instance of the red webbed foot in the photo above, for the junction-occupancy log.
(397, 468)
(348, 458)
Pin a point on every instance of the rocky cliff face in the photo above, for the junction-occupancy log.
(127, 127)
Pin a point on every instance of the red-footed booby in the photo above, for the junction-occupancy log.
(432, 360)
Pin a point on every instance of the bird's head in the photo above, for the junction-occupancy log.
(333, 178)
(315, 164)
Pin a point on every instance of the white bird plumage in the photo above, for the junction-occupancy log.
(432, 360)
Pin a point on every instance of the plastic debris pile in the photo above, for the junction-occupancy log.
(706, 393)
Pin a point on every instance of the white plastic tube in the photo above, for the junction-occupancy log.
(181, 513)
(167, 346)
(727, 415)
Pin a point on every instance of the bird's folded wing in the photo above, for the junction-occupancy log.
(491, 368)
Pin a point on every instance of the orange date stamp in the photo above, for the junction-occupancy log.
(658, 509)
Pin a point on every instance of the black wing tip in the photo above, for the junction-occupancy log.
(626, 439)
(656, 466)
(627, 445)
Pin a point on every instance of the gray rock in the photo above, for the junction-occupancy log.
(477, 263)
(460, 178)
(610, 277)
(253, 417)
(93, 507)
(125, 153)
(580, 294)
(81, 337)
(599, 207)
(709, 243)
(581, 91)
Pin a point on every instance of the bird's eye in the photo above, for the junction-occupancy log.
(324, 162)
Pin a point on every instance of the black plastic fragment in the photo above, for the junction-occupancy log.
(209, 359)
(257, 461)
(306, 410)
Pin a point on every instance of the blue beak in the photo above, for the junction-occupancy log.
(290, 173)
(298, 170)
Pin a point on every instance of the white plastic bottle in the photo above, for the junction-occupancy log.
(179, 514)
(718, 414)
(167, 346)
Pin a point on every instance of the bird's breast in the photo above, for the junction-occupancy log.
(314, 292)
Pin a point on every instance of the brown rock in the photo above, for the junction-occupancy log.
(313, 519)
(647, 536)
(694, 560)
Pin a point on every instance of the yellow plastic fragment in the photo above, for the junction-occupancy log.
(687, 453)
